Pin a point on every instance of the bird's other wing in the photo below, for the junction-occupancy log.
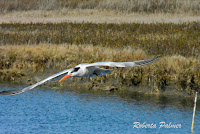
(14, 92)
(100, 72)
(123, 64)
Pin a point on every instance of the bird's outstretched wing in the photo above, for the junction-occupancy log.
(123, 64)
(14, 92)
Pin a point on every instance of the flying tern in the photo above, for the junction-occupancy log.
(82, 70)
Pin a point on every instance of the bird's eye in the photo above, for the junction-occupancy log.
(76, 69)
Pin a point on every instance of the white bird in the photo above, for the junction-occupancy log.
(82, 70)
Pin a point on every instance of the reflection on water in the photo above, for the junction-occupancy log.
(79, 111)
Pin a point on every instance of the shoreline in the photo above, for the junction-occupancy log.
(84, 85)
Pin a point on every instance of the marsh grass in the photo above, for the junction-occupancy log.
(23, 61)
(29, 49)
(160, 38)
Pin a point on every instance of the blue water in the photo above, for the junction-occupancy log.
(67, 111)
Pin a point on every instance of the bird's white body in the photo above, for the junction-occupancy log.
(83, 70)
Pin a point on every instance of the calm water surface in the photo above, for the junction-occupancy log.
(49, 111)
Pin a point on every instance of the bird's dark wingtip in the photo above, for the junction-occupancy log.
(9, 93)
(158, 56)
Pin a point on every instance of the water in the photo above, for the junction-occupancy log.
(66, 111)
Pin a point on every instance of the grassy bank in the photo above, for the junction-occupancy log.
(156, 39)
(25, 62)
(140, 6)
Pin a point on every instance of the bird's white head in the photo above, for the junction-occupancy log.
(73, 72)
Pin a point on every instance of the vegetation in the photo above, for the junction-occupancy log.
(156, 39)
(19, 62)
(141, 6)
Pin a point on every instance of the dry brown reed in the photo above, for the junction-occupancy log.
(23, 61)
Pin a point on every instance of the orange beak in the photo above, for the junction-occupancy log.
(66, 76)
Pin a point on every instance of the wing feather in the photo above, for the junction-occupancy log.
(14, 92)
(124, 64)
